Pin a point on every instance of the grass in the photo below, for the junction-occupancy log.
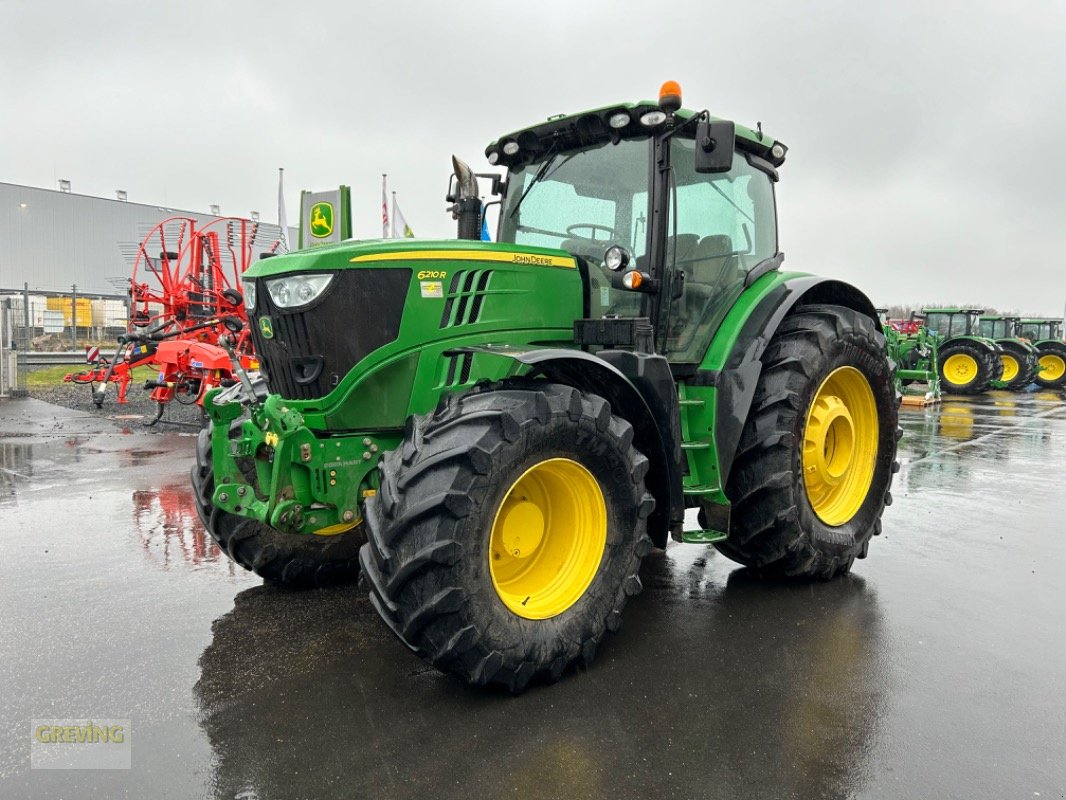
(52, 376)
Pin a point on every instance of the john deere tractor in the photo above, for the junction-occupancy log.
(1019, 356)
(969, 363)
(512, 426)
(1046, 335)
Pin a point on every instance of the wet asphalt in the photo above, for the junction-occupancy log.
(936, 670)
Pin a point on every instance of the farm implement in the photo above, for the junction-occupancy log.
(913, 349)
(181, 302)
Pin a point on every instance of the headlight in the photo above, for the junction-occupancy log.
(248, 289)
(296, 290)
(616, 258)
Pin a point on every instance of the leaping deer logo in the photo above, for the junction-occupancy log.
(321, 220)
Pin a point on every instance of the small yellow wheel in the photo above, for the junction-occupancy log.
(840, 446)
(961, 369)
(1010, 367)
(1052, 367)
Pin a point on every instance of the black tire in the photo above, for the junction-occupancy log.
(428, 528)
(989, 367)
(774, 527)
(1056, 350)
(288, 559)
(1026, 361)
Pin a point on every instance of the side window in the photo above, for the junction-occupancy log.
(725, 226)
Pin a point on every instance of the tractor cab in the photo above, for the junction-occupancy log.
(661, 232)
(998, 327)
(951, 322)
(1040, 329)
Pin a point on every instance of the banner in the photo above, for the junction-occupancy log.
(325, 217)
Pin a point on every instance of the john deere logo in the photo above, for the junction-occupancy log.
(321, 220)
(266, 328)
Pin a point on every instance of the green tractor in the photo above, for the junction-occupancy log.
(1046, 335)
(1019, 356)
(968, 362)
(913, 349)
(512, 426)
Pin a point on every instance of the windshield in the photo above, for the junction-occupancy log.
(583, 202)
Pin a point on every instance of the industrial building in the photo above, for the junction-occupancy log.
(54, 240)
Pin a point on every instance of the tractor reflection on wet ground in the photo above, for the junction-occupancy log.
(934, 670)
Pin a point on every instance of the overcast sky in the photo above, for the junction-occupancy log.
(926, 137)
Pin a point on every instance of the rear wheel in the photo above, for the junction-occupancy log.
(1052, 361)
(1019, 366)
(966, 368)
(288, 559)
(508, 531)
(812, 475)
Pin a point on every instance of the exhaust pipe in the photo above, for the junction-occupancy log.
(467, 204)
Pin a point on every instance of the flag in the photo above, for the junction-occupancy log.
(283, 221)
(400, 228)
(384, 209)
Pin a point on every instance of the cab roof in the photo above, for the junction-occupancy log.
(571, 131)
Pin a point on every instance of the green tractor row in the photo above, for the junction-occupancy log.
(498, 433)
(1046, 335)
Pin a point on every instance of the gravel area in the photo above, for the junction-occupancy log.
(139, 409)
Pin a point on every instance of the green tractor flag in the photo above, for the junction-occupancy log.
(968, 362)
(1019, 356)
(1046, 335)
(497, 433)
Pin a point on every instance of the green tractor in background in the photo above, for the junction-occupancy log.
(969, 363)
(1046, 335)
(511, 427)
(913, 349)
(1019, 356)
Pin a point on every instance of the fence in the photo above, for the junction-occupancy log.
(57, 322)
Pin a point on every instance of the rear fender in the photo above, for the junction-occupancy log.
(733, 363)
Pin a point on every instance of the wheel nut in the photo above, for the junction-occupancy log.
(223, 498)
(242, 491)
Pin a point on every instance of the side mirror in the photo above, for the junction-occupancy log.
(714, 146)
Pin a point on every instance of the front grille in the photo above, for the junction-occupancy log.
(313, 347)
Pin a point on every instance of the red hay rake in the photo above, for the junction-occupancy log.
(184, 295)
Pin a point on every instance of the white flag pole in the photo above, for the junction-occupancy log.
(283, 221)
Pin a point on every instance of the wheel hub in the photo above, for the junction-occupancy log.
(548, 538)
(830, 442)
(1010, 367)
(960, 369)
(840, 442)
(522, 528)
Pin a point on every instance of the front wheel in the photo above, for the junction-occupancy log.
(508, 531)
(813, 470)
(289, 559)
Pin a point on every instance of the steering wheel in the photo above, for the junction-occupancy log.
(593, 227)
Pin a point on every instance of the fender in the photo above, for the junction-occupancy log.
(984, 344)
(650, 414)
(733, 364)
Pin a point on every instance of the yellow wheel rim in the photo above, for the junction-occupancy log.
(1010, 367)
(1052, 367)
(840, 446)
(548, 539)
(960, 369)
